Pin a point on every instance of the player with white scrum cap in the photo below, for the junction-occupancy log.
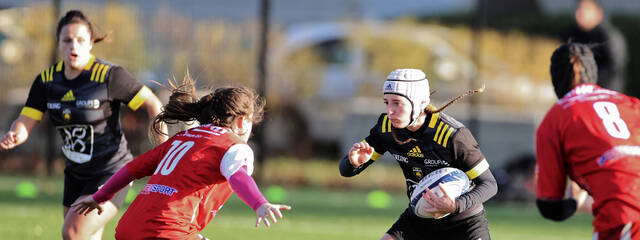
(412, 84)
(432, 141)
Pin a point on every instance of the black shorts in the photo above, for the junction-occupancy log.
(412, 227)
(74, 187)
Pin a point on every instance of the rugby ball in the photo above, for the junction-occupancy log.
(454, 181)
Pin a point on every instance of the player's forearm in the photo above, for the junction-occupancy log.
(247, 189)
(348, 170)
(116, 182)
(22, 128)
(486, 187)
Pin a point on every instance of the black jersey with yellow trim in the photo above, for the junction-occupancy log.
(85, 111)
(441, 142)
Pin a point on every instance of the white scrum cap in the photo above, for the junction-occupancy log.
(412, 84)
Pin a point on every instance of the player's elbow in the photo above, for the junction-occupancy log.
(493, 190)
(556, 210)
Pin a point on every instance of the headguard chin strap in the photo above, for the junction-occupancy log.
(411, 84)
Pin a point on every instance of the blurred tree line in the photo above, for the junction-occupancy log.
(554, 27)
(514, 64)
(515, 56)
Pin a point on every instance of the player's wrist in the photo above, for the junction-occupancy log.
(354, 162)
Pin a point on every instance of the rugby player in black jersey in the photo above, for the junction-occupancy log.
(83, 95)
(422, 139)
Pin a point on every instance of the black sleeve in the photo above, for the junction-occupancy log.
(470, 159)
(466, 151)
(374, 140)
(37, 96)
(122, 86)
(485, 187)
(348, 170)
(557, 210)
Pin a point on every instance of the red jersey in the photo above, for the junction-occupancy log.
(592, 135)
(188, 183)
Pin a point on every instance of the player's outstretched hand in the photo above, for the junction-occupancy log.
(86, 205)
(360, 153)
(440, 206)
(270, 211)
(9, 140)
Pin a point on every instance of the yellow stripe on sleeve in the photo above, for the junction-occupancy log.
(46, 75)
(446, 137)
(42, 76)
(376, 155)
(93, 72)
(50, 74)
(59, 66)
(434, 119)
(32, 113)
(435, 137)
(139, 98)
(98, 72)
(446, 126)
(384, 123)
(104, 72)
(478, 169)
(90, 63)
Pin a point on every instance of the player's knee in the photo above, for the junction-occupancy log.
(69, 232)
(387, 237)
(72, 231)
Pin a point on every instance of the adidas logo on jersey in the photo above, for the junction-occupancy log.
(415, 152)
(68, 96)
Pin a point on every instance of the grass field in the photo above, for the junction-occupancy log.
(316, 214)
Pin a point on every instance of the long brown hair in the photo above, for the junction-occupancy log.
(219, 108)
(432, 110)
(76, 16)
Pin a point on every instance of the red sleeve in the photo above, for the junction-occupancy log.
(551, 171)
(145, 164)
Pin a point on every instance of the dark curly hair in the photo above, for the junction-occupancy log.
(571, 64)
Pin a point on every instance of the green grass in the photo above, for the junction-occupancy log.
(316, 214)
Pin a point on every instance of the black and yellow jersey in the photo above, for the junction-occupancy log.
(440, 142)
(85, 111)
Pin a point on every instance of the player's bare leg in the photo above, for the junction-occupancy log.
(91, 226)
(387, 237)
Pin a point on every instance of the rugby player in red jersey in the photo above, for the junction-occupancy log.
(195, 171)
(591, 135)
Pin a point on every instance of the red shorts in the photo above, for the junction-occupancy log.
(629, 231)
